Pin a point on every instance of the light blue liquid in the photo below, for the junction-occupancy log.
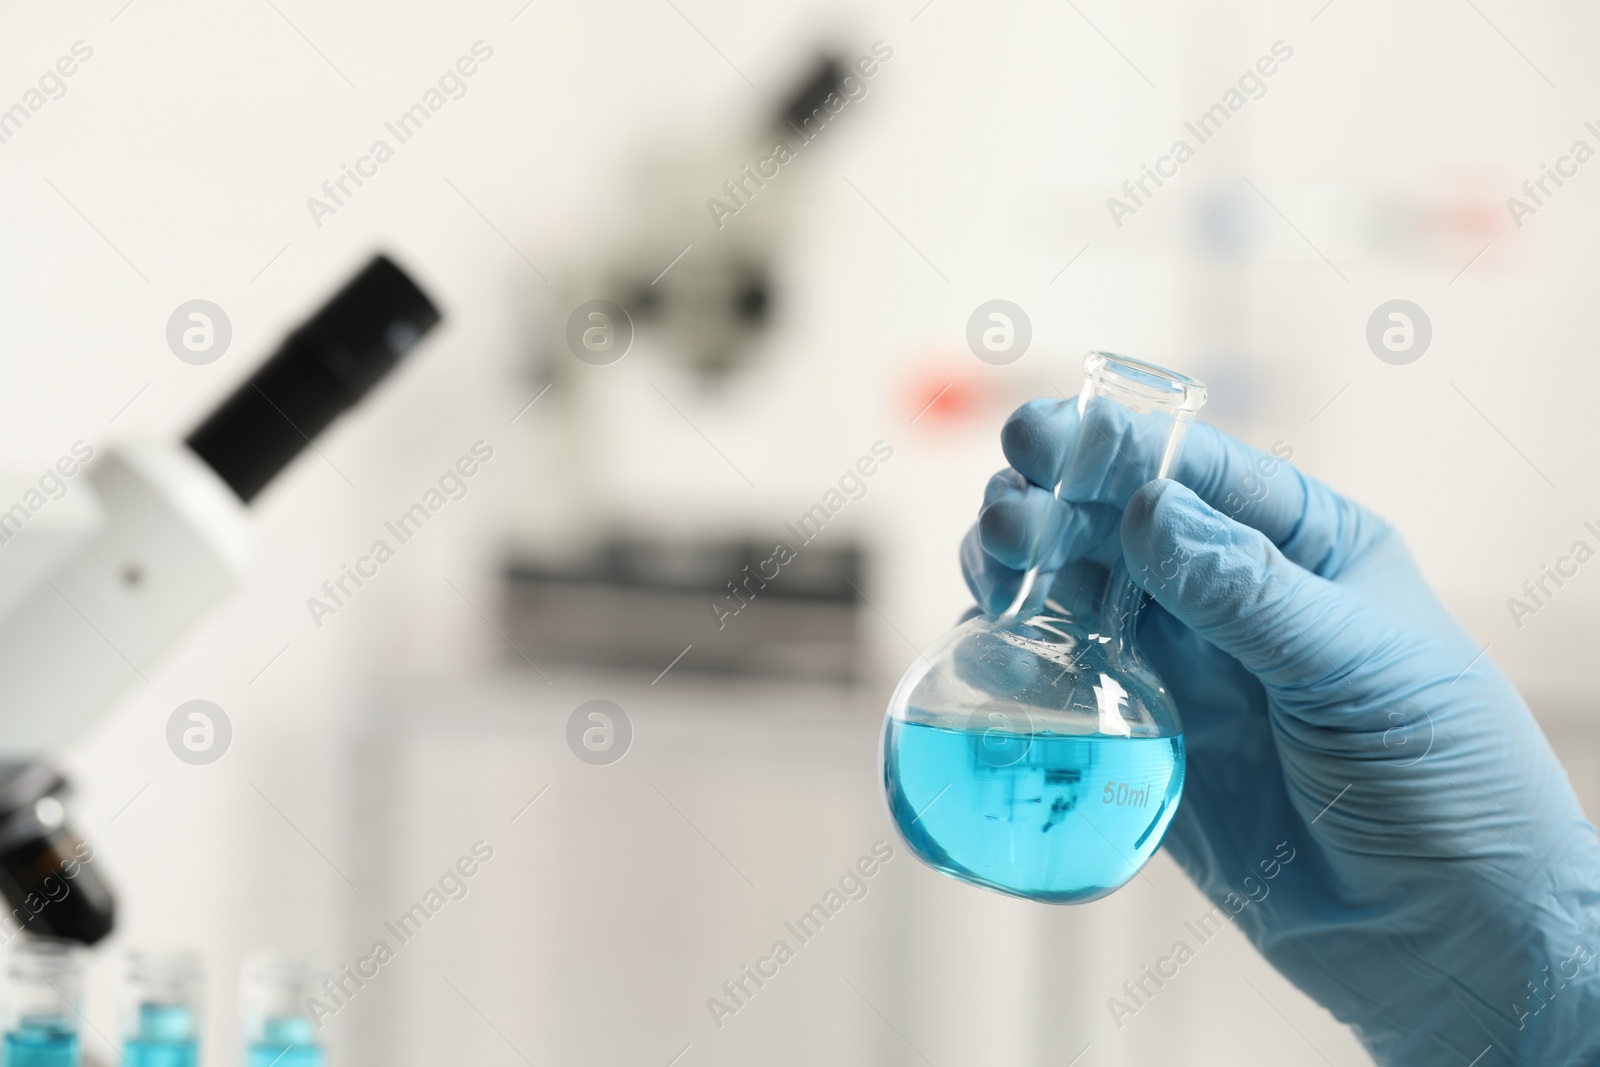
(285, 1043)
(1052, 817)
(164, 1039)
(265, 1055)
(41, 1046)
(137, 1052)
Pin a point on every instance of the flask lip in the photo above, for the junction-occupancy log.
(1142, 385)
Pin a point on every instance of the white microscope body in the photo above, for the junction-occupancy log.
(107, 560)
(98, 584)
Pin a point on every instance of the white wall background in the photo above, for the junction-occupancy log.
(177, 166)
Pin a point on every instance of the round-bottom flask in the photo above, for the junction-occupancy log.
(1035, 752)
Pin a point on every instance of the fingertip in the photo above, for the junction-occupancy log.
(1013, 516)
(1035, 438)
(1002, 484)
(1161, 517)
(1136, 518)
(991, 582)
(1006, 530)
(1154, 507)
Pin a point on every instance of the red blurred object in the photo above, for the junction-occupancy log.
(945, 394)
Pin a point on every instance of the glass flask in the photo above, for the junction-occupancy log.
(1036, 752)
(278, 1028)
(44, 986)
(161, 1015)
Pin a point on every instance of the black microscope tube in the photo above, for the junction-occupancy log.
(322, 370)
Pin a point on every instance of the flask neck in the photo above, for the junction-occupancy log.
(1088, 604)
(1125, 428)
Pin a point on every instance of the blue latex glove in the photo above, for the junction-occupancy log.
(1444, 898)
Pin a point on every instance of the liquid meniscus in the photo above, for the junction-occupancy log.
(1058, 818)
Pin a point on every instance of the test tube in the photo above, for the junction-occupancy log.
(161, 1018)
(44, 985)
(278, 1029)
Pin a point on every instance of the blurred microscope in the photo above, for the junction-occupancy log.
(692, 282)
(97, 583)
(696, 262)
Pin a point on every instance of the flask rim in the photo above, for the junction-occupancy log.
(1143, 385)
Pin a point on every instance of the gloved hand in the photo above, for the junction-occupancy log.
(1444, 898)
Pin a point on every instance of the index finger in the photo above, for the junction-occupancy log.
(1309, 522)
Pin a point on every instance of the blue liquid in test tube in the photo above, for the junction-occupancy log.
(161, 1010)
(286, 1043)
(44, 985)
(41, 1043)
(163, 1037)
(278, 1031)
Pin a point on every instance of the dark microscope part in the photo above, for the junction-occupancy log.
(322, 370)
(826, 77)
(47, 874)
(752, 297)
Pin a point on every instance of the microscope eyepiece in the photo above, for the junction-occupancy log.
(322, 370)
(827, 76)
